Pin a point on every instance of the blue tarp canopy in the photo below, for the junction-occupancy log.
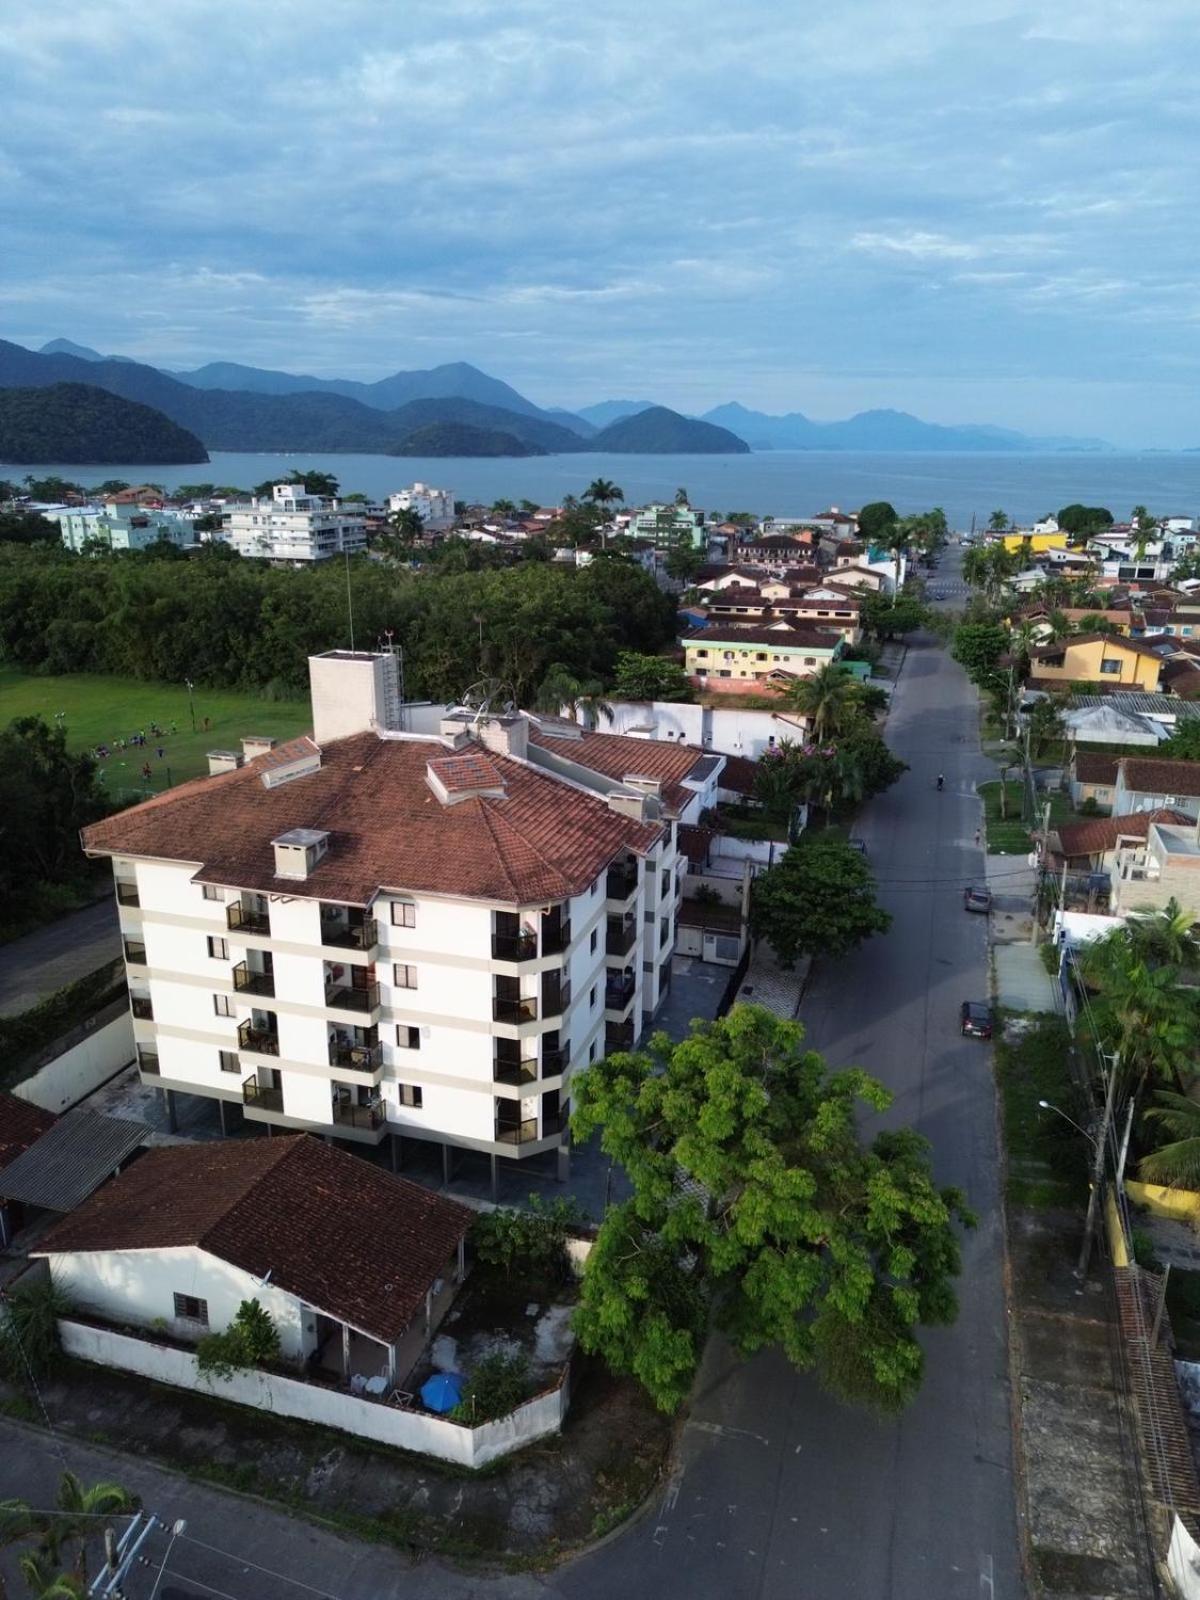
(443, 1391)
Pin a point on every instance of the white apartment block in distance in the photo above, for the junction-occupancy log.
(435, 507)
(372, 934)
(295, 527)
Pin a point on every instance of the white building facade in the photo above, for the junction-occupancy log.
(295, 527)
(435, 507)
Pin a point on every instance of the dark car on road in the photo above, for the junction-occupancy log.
(977, 900)
(976, 1020)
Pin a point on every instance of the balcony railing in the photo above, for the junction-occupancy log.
(555, 940)
(517, 1133)
(262, 1096)
(127, 894)
(359, 1057)
(135, 953)
(554, 1063)
(515, 1072)
(619, 992)
(148, 1063)
(514, 946)
(262, 1041)
(348, 1115)
(242, 919)
(247, 981)
(620, 938)
(522, 1010)
(142, 1007)
(556, 1001)
(621, 882)
(340, 998)
(350, 936)
(618, 1036)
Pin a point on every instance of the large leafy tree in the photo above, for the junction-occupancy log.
(46, 795)
(874, 521)
(978, 647)
(1139, 1010)
(758, 1204)
(885, 616)
(819, 900)
(830, 700)
(1079, 520)
(643, 677)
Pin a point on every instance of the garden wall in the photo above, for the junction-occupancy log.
(417, 1431)
(66, 1079)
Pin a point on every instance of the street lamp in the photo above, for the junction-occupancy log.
(191, 702)
(1097, 1142)
(1059, 1112)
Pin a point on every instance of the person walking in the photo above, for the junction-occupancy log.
(977, 836)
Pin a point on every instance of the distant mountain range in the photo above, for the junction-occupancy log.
(83, 425)
(253, 414)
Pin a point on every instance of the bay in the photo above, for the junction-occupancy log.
(778, 482)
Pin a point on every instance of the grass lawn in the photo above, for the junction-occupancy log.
(99, 709)
(1047, 1158)
(1010, 837)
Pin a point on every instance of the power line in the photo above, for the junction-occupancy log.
(326, 1594)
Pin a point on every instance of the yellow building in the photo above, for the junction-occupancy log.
(1102, 658)
(1034, 544)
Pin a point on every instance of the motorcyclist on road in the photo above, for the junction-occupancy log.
(941, 781)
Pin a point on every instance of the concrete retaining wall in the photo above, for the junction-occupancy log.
(1183, 1562)
(81, 1069)
(308, 1402)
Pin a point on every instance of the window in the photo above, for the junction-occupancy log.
(189, 1309)
(409, 1094)
(223, 1005)
(404, 976)
(404, 914)
(703, 653)
(211, 892)
(218, 949)
(1111, 668)
(761, 655)
(407, 1038)
(592, 1051)
(595, 940)
(592, 996)
(229, 1061)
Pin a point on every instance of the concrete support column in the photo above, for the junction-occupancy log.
(495, 1161)
(345, 1347)
(563, 1155)
(221, 1113)
(172, 1113)
(446, 1166)
(396, 1153)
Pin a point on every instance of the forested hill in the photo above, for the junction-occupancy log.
(78, 423)
(461, 439)
(660, 431)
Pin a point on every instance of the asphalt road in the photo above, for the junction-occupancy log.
(778, 1491)
(41, 962)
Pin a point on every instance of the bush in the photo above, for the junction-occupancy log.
(1090, 807)
(29, 1342)
(531, 1243)
(1143, 1251)
(251, 1340)
(497, 1386)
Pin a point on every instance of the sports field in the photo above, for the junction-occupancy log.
(97, 710)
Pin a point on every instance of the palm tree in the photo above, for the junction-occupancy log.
(998, 521)
(603, 492)
(1144, 529)
(898, 539)
(829, 699)
(560, 687)
(1164, 938)
(1177, 1163)
(1140, 1011)
(75, 1521)
(681, 497)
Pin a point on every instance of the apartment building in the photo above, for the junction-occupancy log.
(435, 507)
(726, 658)
(372, 934)
(295, 527)
(121, 525)
(666, 526)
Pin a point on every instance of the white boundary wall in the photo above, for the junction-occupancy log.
(308, 1402)
(1183, 1562)
(71, 1077)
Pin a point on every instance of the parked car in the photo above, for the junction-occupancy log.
(977, 900)
(976, 1020)
(858, 844)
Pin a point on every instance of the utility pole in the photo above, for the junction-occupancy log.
(191, 702)
(1093, 1211)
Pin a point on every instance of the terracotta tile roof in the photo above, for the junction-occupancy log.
(617, 756)
(341, 1234)
(1098, 834)
(1093, 767)
(387, 829)
(21, 1125)
(720, 633)
(1148, 776)
(466, 772)
(739, 774)
(1118, 641)
(694, 844)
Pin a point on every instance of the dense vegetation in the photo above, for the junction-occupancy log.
(46, 796)
(461, 439)
(78, 422)
(236, 624)
(659, 431)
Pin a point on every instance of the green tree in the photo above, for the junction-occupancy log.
(1188, 566)
(1045, 726)
(311, 481)
(1079, 520)
(884, 616)
(603, 492)
(830, 700)
(560, 687)
(681, 497)
(1177, 1162)
(684, 562)
(1140, 1012)
(990, 568)
(874, 521)
(756, 1202)
(818, 901)
(998, 521)
(977, 647)
(47, 794)
(1145, 530)
(28, 527)
(250, 1340)
(1184, 743)
(62, 1534)
(643, 677)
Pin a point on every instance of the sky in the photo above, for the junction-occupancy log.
(977, 213)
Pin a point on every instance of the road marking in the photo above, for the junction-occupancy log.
(721, 1432)
(987, 1579)
(669, 1501)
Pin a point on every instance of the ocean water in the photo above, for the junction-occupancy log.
(778, 482)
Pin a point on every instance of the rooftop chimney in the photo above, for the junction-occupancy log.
(224, 761)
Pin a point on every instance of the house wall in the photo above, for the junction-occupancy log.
(72, 1076)
(1126, 801)
(742, 664)
(332, 1408)
(138, 1287)
(1084, 663)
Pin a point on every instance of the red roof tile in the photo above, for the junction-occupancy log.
(1098, 834)
(739, 774)
(1145, 775)
(1093, 767)
(341, 1234)
(21, 1125)
(618, 756)
(723, 633)
(542, 841)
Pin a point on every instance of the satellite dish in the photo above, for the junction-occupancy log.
(490, 697)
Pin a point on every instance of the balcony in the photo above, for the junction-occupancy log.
(347, 1115)
(135, 953)
(142, 1007)
(241, 919)
(524, 1009)
(247, 981)
(338, 997)
(515, 1072)
(127, 893)
(260, 1041)
(554, 1063)
(556, 998)
(147, 1061)
(618, 992)
(261, 1096)
(620, 938)
(514, 947)
(358, 1057)
(350, 935)
(621, 881)
(618, 1035)
(555, 938)
(517, 1133)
